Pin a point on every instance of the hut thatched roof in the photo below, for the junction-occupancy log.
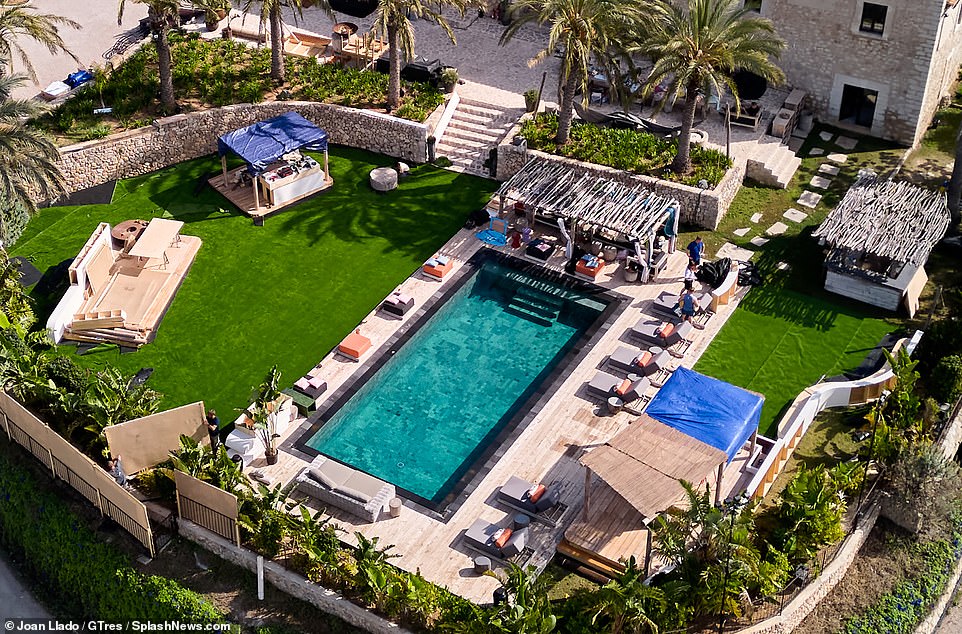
(888, 219)
(553, 188)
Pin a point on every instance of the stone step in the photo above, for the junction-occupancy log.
(471, 135)
(462, 115)
(492, 129)
(480, 109)
(461, 142)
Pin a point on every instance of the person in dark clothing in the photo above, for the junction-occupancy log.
(116, 469)
(695, 248)
(688, 305)
(213, 428)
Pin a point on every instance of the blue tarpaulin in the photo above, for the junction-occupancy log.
(262, 143)
(712, 411)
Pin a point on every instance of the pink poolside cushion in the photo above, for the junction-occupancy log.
(355, 345)
(316, 382)
(394, 300)
(303, 383)
(401, 299)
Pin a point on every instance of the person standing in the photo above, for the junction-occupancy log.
(691, 276)
(695, 248)
(688, 305)
(213, 428)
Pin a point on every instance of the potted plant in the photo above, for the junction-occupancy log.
(214, 11)
(530, 100)
(263, 413)
(449, 79)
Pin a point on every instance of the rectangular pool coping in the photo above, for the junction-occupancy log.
(296, 444)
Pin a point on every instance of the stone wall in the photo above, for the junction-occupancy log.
(910, 64)
(701, 208)
(187, 136)
(288, 582)
(800, 607)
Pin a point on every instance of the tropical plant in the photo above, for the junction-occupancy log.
(374, 575)
(213, 466)
(263, 519)
(945, 383)
(16, 305)
(527, 609)
(271, 18)
(29, 168)
(263, 412)
(628, 604)
(162, 15)
(583, 30)
(696, 46)
(392, 21)
(809, 514)
(19, 20)
(110, 399)
(24, 359)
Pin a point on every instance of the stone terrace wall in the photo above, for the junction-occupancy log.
(702, 208)
(182, 137)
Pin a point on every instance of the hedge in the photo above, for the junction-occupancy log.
(89, 578)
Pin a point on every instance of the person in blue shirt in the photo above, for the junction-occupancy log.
(695, 249)
(688, 305)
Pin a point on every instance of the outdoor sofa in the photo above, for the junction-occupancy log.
(345, 488)
(516, 494)
(494, 541)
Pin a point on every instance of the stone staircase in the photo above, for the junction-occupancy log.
(474, 129)
(773, 165)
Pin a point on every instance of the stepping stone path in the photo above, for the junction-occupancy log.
(825, 136)
(784, 266)
(729, 250)
(828, 168)
(809, 199)
(820, 182)
(756, 217)
(759, 241)
(795, 215)
(777, 229)
(816, 151)
(837, 158)
(846, 143)
(741, 232)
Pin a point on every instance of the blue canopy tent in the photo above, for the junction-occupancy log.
(264, 142)
(712, 411)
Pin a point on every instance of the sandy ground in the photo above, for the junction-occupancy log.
(952, 622)
(15, 600)
(98, 19)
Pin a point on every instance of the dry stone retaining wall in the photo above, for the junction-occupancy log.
(700, 207)
(183, 137)
(289, 582)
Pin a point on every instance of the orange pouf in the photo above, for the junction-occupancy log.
(355, 345)
(438, 267)
(593, 271)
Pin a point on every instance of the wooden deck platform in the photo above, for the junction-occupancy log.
(242, 196)
(565, 423)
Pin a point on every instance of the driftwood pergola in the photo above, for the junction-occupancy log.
(555, 190)
(881, 225)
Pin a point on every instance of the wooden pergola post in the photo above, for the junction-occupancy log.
(223, 166)
(648, 552)
(327, 173)
(584, 508)
(718, 483)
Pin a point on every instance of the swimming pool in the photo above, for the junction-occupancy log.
(439, 400)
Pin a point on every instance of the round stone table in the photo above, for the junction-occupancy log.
(520, 521)
(482, 564)
(383, 179)
(615, 404)
(394, 507)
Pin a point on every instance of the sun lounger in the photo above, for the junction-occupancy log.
(354, 346)
(517, 494)
(492, 540)
(398, 304)
(605, 385)
(666, 305)
(642, 362)
(676, 338)
(539, 251)
(437, 267)
(311, 386)
(345, 488)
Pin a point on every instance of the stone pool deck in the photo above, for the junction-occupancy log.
(546, 448)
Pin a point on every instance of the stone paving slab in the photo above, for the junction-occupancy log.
(795, 215)
(828, 168)
(820, 182)
(729, 250)
(756, 217)
(816, 151)
(837, 158)
(741, 232)
(759, 241)
(825, 135)
(809, 199)
(846, 142)
(795, 144)
(777, 229)
(784, 266)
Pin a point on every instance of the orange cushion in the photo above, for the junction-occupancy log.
(643, 359)
(622, 389)
(355, 345)
(439, 270)
(666, 330)
(502, 539)
(538, 492)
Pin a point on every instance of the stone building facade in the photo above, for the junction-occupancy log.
(874, 66)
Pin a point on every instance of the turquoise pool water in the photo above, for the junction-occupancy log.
(438, 402)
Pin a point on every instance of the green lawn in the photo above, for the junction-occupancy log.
(283, 293)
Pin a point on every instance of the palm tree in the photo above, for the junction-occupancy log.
(271, 18)
(584, 30)
(628, 602)
(696, 48)
(528, 609)
(29, 159)
(162, 15)
(392, 21)
(22, 20)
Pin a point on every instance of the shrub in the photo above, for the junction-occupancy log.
(90, 578)
(945, 382)
(66, 374)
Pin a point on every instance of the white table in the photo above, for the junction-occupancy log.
(160, 234)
